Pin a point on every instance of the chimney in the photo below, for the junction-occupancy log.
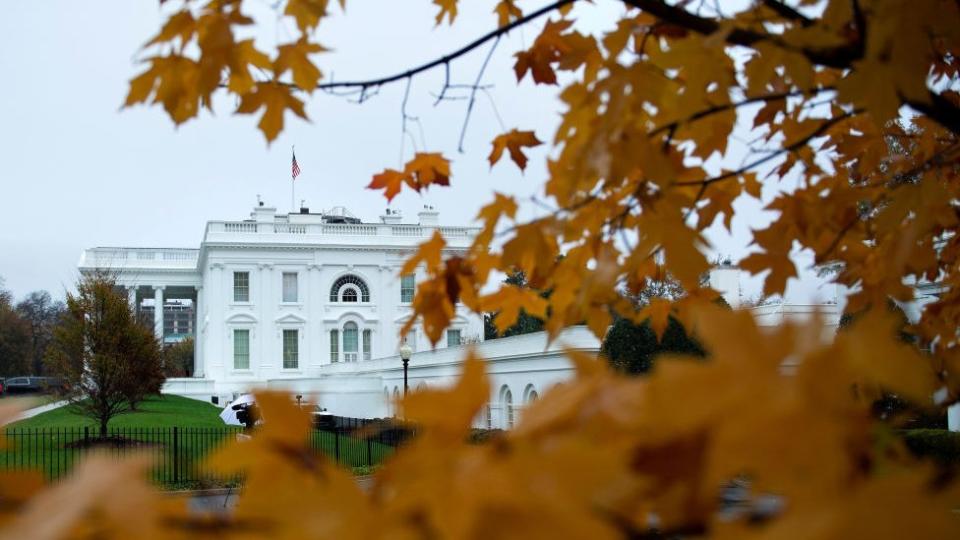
(263, 214)
(391, 217)
(429, 217)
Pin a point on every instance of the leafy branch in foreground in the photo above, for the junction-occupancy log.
(651, 104)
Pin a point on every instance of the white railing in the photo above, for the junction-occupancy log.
(135, 257)
(286, 228)
(240, 227)
(335, 229)
(349, 357)
(407, 230)
(350, 229)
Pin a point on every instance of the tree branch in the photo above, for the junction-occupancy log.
(837, 57)
(788, 12)
(447, 58)
(821, 130)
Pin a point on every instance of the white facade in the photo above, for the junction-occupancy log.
(284, 297)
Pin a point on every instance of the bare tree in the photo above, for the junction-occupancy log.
(41, 313)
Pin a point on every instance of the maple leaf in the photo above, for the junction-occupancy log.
(547, 49)
(296, 58)
(429, 253)
(448, 8)
(507, 11)
(427, 169)
(510, 300)
(180, 25)
(658, 312)
(390, 180)
(308, 12)
(514, 141)
(274, 98)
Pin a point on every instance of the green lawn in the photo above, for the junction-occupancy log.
(53, 442)
(156, 412)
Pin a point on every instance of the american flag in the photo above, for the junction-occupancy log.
(295, 168)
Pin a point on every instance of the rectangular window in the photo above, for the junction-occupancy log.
(334, 346)
(241, 349)
(289, 286)
(241, 286)
(291, 349)
(453, 338)
(407, 287)
(367, 338)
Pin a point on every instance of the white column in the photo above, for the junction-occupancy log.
(132, 298)
(953, 417)
(158, 311)
(197, 338)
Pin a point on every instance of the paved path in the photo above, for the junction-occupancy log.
(30, 413)
(223, 500)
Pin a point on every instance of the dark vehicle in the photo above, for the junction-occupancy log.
(31, 385)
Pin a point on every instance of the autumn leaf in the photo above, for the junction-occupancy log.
(428, 253)
(658, 313)
(308, 13)
(427, 169)
(448, 8)
(514, 141)
(274, 98)
(507, 11)
(296, 58)
(390, 180)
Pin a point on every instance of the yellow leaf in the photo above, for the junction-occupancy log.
(448, 8)
(507, 11)
(274, 98)
(296, 58)
(658, 312)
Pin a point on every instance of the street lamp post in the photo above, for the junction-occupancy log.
(405, 352)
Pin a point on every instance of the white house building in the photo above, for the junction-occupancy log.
(314, 302)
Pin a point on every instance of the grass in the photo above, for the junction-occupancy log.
(156, 412)
(53, 442)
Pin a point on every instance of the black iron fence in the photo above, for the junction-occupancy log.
(179, 454)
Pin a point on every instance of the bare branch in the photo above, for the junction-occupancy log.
(473, 93)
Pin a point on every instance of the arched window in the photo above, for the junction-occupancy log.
(350, 342)
(349, 288)
(396, 393)
(530, 394)
(506, 400)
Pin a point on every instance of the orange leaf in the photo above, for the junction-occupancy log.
(513, 141)
(390, 181)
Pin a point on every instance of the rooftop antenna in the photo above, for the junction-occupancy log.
(259, 202)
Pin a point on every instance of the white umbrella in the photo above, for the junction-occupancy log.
(229, 414)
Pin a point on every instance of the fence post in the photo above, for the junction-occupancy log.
(86, 437)
(336, 444)
(369, 452)
(176, 456)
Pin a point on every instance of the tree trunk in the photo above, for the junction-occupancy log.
(103, 427)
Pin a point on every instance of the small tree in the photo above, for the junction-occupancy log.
(525, 324)
(632, 348)
(106, 358)
(178, 359)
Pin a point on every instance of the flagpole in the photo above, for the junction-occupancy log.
(292, 180)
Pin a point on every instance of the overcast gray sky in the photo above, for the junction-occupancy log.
(79, 172)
